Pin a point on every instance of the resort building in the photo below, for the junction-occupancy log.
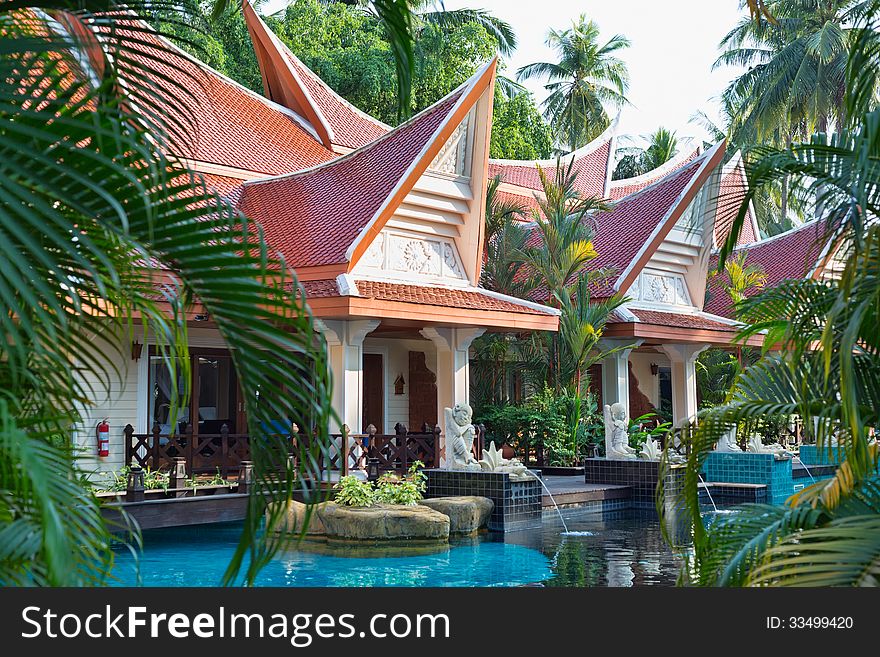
(385, 230)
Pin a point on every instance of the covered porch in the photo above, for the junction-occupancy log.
(655, 366)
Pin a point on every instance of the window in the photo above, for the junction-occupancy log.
(213, 389)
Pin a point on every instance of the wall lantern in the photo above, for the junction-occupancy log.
(399, 383)
(136, 349)
(654, 369)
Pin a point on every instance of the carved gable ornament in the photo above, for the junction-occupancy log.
(404, 256)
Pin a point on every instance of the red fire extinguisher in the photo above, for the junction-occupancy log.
(102, 433)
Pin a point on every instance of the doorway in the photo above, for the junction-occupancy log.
(374, 392)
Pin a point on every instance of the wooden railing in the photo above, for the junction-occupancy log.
(203, 453)
(225, 451)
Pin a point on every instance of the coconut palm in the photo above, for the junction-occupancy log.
(588, 77)
(795, 82)
(828, 374)
(634, 161)
(662, 147)
(93, 202)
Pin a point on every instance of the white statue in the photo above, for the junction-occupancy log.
(617, 433)
(755, 446)
(727, 442)
(492, 461)
(460, 438)
(650, 450)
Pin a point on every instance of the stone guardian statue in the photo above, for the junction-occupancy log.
(460, 435)
(617, 433)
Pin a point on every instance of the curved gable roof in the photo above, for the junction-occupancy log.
(618, 189)
(635, 225)
(327, 215)
(591, 163)
(787, 256)
(291, 83)
(224, 123)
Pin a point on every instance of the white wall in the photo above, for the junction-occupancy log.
(641, 367)
(126, 400)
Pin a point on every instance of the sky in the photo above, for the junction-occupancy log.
(674, 43)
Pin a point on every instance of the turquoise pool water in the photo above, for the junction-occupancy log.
(622, 549)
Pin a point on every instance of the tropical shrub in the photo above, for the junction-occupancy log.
(407, 490)
(351, 491)
(640, 432)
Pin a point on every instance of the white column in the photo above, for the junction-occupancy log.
(615, 371)
(345, 358)
(683, 359)
(453, 366)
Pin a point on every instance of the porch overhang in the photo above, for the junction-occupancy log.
(660, 333)
(419, 315)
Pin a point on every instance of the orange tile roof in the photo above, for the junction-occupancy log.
(465, 298)
(471, 298)
(590, 163)
(788, 256)
(625, 228)
(224, 123)
(681, 320)
(313, 216)
(618, 189)
(732, 190)
(351, 127)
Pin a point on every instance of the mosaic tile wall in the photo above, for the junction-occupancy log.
(517, 503)
(811, 455)
(640, 475)
(747, 468)
(729, 495)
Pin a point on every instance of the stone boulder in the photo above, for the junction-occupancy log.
(294, 519)
(466, 514)
(383, 522)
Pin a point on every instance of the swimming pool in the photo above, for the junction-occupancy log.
(619, 549)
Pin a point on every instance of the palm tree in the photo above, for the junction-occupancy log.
(92, 193)
(558, 249)
(828, 373)
(662, 147)
(587, 77)
(635, 161)
(739, 279)
(795, 82)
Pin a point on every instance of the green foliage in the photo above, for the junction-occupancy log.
(388, 489)
(519, 132)
(646, 427)
(565, 425)
(828, 374)
(118, 481)
(587, 76)
(347, 49)
(90, 158)
(635, 161)
(351, 491)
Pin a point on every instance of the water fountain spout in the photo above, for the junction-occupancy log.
(552, 499)
(707, 492)
(812, 478)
